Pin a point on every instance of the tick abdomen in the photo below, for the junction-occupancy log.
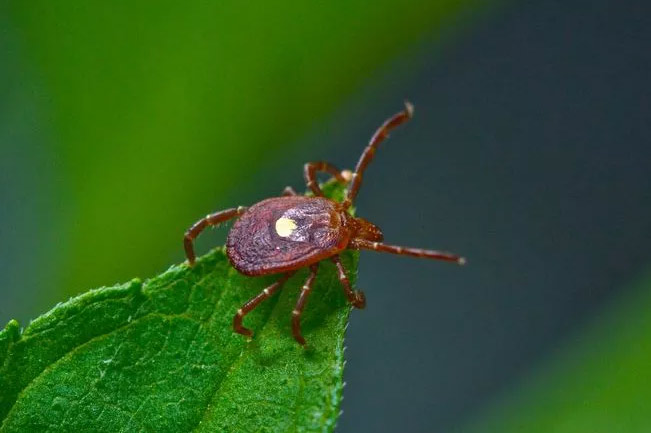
(281, 233)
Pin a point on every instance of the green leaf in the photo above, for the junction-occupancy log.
(599, 381)
(161, 356)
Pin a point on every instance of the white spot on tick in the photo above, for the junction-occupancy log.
(285, 226)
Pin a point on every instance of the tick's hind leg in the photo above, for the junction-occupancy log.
(356, 297)
(312, 168)
(253, 302)
(207, 221)
(300, 304)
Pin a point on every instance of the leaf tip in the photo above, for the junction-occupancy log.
(12, 330)
(135, 285)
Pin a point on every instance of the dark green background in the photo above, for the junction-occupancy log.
(529, 153)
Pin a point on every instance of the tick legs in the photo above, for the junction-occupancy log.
(267, 292)
(312, 168)
(300, 304)
(369, 151)
(253, 302)
(356, 297)
(199, 226)
(362, 244)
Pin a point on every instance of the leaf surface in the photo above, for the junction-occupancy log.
(161, 356)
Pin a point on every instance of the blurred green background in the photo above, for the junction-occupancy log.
(122, 123)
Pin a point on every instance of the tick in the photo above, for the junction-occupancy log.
(281, 235)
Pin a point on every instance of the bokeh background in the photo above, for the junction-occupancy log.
(121, 123)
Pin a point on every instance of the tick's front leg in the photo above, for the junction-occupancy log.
(367, 155)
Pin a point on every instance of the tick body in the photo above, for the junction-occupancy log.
(285, 233)
(281, 235)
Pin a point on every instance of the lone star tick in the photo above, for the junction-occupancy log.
(281, 235)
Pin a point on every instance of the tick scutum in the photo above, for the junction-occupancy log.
(282, 233)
